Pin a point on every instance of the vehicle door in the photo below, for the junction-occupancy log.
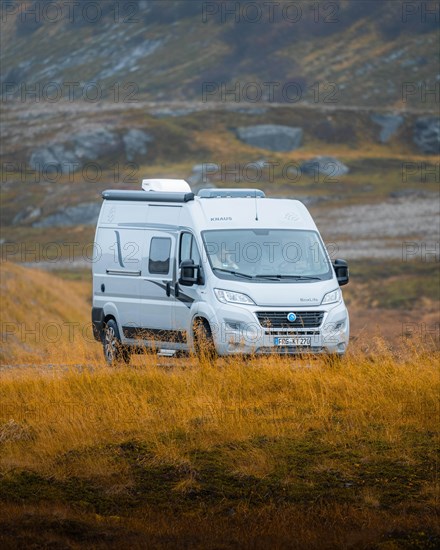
(156, 296)
(186, 295)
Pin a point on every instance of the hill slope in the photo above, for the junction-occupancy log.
(167, 50)
(43, 318)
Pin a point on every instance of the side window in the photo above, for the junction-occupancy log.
(185, 247)
(188, 249)
(159, 260)
(195, 253)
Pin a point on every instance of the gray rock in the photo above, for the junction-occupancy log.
(71, 155)
(135, 143)
(415, 63)
(205, 168)
(408, 193)
(394, 55)
(408, 63)
(127, 60)
(82, 214)
(93, 145)
(52, 159)
(199, 177)
(166, 112)
(389, 125)
(17, 73)
(324, 166)
(259, 164)
(28, 214)
(247, 110)
(271, 136)
(427, 135)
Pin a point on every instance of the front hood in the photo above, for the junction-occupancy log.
(281, 294)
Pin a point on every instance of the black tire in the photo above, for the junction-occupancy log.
(204, 346)
(114, 351)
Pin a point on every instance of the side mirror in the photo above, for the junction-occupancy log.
(188, 273)
(341, 270)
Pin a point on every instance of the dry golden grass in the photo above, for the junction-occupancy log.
(262, 452)
(191, 407)
(265, 449)
(43, 316)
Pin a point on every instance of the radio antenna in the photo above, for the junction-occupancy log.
(256, 208)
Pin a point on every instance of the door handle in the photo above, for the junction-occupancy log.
(176, 289)
(168, 288)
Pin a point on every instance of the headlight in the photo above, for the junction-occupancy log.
(229, 297)
(332, 297)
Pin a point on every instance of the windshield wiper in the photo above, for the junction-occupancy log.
(296, 277)
(245, 275)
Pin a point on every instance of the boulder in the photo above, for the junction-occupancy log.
(52, 159)
(258, 164)
(166, 112)
(246, 110)
(69, 156)
(199, 177)
(389, 125)
(26, 215)
(82, 214)
(324, 166)
(271, 136)
(205, 168)
(93, 145)
(412, 193)
(135, 143)
(427, 135)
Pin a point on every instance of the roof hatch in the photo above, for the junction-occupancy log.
(166, 186)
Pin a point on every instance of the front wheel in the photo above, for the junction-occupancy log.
(114, 351)
(204, 346)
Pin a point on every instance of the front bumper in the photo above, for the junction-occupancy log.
(237, 330)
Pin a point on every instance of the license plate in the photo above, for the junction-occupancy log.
(297, 341)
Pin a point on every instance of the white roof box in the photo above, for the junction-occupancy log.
(166, 186)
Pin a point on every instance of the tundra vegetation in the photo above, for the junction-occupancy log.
(171, 453)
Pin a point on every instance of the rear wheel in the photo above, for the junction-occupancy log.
(114, 351)
(204, 346)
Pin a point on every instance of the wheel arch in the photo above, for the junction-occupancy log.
(198, 317)
(108, 317)
(110, 311)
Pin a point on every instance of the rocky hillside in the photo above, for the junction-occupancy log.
(351, 53)
(324, 100)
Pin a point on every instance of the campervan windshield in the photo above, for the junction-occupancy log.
(271, 254)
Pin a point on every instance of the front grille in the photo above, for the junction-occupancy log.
(278, 319)
(286, 332)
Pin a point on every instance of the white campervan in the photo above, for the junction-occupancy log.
(225, 271)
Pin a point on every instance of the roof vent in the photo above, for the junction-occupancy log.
(230, 193)
(166, 186)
